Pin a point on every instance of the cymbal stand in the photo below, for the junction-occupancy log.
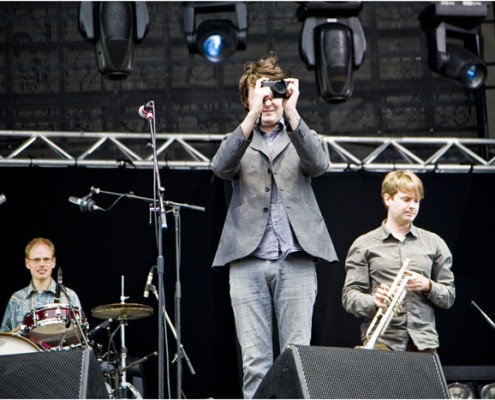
(123, 384)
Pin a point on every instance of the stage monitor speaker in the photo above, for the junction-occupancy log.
(56, 374)
(312, 372)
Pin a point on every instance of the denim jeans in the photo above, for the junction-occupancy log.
(257, 289)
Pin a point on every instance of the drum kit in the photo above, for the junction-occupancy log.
(61, 327)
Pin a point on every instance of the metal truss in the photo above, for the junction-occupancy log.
(194, 151)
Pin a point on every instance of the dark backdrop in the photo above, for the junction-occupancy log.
(96, 249)
(49, 78)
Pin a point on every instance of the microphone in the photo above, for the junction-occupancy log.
(59, 285)
(86, 204)
(3, 199)
(146, 110)
(103, 325)
(148, 283)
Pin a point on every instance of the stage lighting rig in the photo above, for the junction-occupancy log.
(114, 27)
(455, 43)
(215, 39)
(333, 43)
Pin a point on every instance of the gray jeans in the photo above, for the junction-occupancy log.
(257, 289)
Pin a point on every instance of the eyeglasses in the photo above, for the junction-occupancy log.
(38, 260)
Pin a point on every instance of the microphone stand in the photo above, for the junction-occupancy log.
(172, 329)
(160, 295)
(159, 207)
(78, 322)
(157, 193)
(485, 315)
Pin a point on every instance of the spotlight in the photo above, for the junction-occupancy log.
(454, 41)
(488, 391)
(460, 390)
(114, 28)
(333, 43)
(216, 39)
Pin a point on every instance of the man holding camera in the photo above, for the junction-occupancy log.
(274, 232)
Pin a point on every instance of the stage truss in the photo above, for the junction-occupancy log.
(195, 151)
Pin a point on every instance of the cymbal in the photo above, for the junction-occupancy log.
(122, 311)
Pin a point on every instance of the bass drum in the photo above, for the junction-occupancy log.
(12, 343)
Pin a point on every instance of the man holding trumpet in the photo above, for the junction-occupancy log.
(399, 259)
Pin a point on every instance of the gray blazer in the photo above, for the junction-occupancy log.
(296, 157)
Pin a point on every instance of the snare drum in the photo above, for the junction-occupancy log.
(12, 343)
(53, 323)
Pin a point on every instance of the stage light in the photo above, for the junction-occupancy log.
(488, 391)
(454, 41)
(114, 28)
(333, 43)
(215, 39)
(459, 390)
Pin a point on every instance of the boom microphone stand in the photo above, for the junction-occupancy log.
(175, 209)
(86, 204)
(148, 111)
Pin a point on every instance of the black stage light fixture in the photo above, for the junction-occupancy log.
(215, 39)
(333, 43)
(455, 43)
(114, 27)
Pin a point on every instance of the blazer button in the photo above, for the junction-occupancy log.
(267, 189)
(269, 171)
(265, 209)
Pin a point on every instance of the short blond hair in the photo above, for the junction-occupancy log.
(404, 181)
(39, 240)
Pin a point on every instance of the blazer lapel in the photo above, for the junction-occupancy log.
(281, 142)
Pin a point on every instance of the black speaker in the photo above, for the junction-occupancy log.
(312, 372)
(57, 374)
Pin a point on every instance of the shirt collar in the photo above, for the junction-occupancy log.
(413, 231)
(274, 133)
(52, 288)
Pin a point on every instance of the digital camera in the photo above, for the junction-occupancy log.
(278, 88)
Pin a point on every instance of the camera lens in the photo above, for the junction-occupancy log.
(278, 88)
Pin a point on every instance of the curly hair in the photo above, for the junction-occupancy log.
(265, 67)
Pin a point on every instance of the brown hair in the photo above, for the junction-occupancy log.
(403, 181)
(265, 67)
(39, 240)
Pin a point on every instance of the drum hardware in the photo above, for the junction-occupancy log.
(122, 312)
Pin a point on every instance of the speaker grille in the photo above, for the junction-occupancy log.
(352, 373)
(64, 374)
(346, 373)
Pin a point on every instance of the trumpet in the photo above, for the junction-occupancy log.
(394, 299)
